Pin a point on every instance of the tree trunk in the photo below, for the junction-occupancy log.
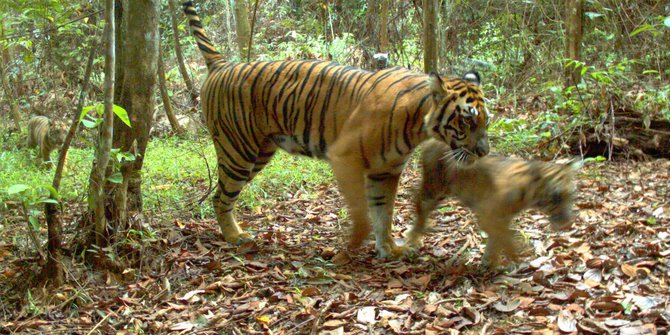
(140, 68)
(383, 27)
(180, 56)
(242, 26)
(53, 269)
(574, 31)
(119, 36)
(430, 35)
(104, 147)
(167, 104)
(10, 93)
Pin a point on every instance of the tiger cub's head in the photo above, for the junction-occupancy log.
(56, 133)
(459, 116)
(555, 192)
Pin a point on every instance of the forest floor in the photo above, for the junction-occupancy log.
(608, 275)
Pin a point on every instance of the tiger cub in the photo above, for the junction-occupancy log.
(46, 135)
(496, 189)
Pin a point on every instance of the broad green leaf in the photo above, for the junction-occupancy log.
(34, 223)
(122, 114)
(650, 72)
(89, 124)
(116, 178)
(17, 188)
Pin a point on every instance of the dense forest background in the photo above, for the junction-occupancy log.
(563, 79)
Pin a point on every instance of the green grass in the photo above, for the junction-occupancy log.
(175, 174)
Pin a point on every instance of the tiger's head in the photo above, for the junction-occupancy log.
(57, 132)
(459, 116)
(556, 192)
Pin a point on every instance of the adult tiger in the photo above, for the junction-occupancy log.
(46, 135)
(365, 124)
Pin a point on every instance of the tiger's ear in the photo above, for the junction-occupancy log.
(436, 83)
(473, 77)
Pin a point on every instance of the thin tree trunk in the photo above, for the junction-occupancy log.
(251, 32)
(167, 104)
(10, 93)
(430, 35)
(137, 97)
(53, 269)
(242, 26)
(180, 56)
(98, 175)
(371, 24)
(229, 25)
(574, 32)
(383, 27)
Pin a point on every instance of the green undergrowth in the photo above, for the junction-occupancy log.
(177, 172)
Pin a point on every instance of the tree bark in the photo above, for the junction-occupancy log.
(10, 93)
(430, 35)
(574, 32)
(104, 147)
(167, 104)
(137, 97)
(53, 269)
(383, 27)
(242, 26)
(180, 56)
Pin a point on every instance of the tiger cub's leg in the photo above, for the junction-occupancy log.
(500, 240)
(424, 204)
(351, 181)
(381, 192)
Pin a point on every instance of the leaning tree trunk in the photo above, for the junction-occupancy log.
(574, 32)
(180, 56)
(429, 35)
(242, 26)
(140, 65)
(53, 270)
(167, 104)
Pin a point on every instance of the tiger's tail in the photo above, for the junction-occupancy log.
(209, 52)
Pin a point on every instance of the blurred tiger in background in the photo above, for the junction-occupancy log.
(365, 124)
(46, 135)
(496, 189)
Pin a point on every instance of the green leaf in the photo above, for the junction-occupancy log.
(17, 188)
(85, 111)
(52, 191)
(650, 72)
(116, 178)
(122, 114)
(34, 223)
(640, 29)
(592, 15)
(49, 201)
(666, 22)
(89, 124)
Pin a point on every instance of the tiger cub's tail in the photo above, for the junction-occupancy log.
(209, 52)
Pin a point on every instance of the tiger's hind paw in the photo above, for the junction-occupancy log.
(239, 239)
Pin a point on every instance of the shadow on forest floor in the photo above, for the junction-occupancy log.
(608, 275)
